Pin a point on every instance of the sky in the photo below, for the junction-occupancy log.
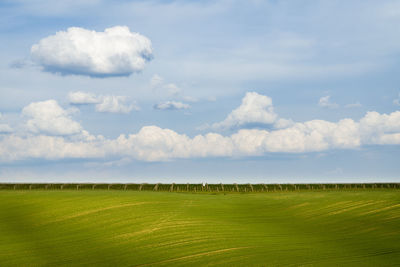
(189, 91)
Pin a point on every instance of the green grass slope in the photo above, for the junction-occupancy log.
(131, 228)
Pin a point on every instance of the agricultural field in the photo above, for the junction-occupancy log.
(99, 226)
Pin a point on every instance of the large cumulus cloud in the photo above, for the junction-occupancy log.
(153, 143)
(115, 52)
(53, 134)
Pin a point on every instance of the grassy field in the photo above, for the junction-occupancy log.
(145, 228)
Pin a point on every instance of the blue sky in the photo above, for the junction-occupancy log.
(217, 91)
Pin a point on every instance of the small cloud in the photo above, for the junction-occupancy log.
(115, 52)
(171, 105)
(82, 98)
(157, 82)
(115, 104)
(354, 105)
(104, 103)
(326, 103)
(254, 109)
(169, 89)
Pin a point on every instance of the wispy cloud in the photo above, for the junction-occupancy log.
(103, 103)
(170, 90)
(82, 98)
(115, 104)
(325, 102)
(171, 105)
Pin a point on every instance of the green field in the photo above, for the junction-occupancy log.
(145, 228)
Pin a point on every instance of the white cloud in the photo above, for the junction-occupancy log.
(255, 108)
(115, 104)
(81, 98)
(381, 128)
(14, 147)
(170, 90)
(283, 123)
(157, 82)
(315, 135)
(104, 103)
(5, 128)
(49, 118)
(153, 143)
(115, 52)
(171, 105)
(325, 102)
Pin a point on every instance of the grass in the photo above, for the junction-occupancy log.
(145, 228)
